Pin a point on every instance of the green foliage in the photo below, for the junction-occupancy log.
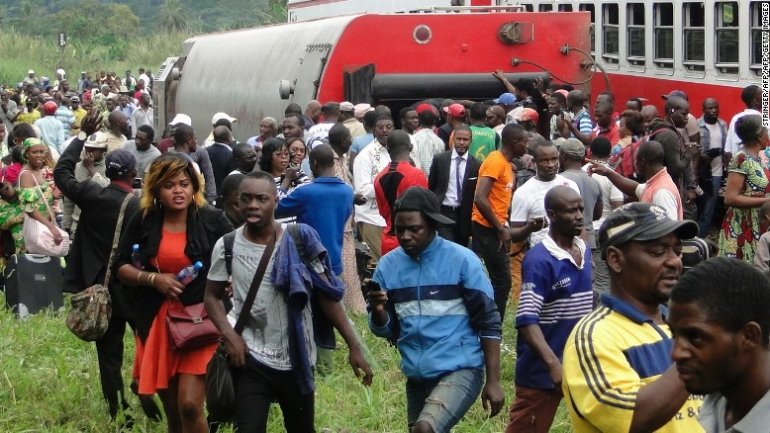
(49, 382)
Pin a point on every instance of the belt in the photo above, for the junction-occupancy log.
(450, 208)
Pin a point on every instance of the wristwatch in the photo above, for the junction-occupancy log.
(82, 136)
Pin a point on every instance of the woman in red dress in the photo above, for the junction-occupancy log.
(175, 229)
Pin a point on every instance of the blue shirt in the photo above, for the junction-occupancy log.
(555, 295)
(360, 142)
(439, 307)
(326, 204)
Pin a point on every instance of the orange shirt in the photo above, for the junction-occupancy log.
(171, 257)
(498, 168)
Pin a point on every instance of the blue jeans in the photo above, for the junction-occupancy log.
(709, 204)
(444, 401)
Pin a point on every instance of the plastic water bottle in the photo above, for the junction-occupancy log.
(186, 275)
(135, 257)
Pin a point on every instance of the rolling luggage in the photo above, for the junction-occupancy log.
(33, 282)
(694, 251)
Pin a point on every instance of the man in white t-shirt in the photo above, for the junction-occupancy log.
(752, 97)
(265, 366)
(528, 216)
(713, 134)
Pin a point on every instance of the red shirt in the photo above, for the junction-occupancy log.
(389, 184)
(612, 133)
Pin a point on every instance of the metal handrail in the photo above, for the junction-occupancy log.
(516, 8)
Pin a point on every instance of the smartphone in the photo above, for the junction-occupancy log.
(136, 183)
(372, 286)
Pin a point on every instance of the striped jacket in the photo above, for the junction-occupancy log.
(439, 307)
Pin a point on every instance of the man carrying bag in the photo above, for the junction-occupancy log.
(87, 260)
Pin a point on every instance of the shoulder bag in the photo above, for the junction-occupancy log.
(37, 237)
(220, 392)
(91, 309)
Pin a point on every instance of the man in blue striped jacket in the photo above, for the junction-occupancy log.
(432, 298)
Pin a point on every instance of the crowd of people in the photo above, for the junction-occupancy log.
(571, 211)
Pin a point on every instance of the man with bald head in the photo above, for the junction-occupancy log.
(312, 113)
(555, 294)
(115, 128)
(679, 153)
(659, 188)
(649, 113)
(392, 181)
(221, 155)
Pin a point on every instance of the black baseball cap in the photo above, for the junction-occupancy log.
(119, 163)
(641, 222)
(423, 200)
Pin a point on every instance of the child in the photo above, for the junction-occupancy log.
(762, 253)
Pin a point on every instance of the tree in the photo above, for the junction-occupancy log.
(276, 11)
(173, 16)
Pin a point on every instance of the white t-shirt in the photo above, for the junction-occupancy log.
(715, 136)
(662, 198)
(266, 332)
(528, 203)
(610, 193)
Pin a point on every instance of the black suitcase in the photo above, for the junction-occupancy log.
(694, 251)
(33, 282)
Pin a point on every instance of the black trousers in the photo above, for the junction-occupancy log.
(109, 350)
(496, 260)
(257, 385)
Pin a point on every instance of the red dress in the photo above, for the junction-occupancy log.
(156, 362)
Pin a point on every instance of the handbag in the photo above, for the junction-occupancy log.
(91, 309)
(37, 238)
(189, 326)
(220, 392)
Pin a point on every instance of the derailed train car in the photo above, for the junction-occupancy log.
(395, 59)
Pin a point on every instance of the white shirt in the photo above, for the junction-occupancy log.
(528, 202)
(426, 144)
(610, 193)
(372, 160)
(715, 135)
(662, 198)
(451, 198)
(733, 144)
(317, 134)
(141, 117)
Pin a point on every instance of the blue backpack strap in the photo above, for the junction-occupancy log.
(228, 241)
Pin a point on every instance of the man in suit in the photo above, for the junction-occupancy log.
(453, 176)
(88, 256)
(221, 155)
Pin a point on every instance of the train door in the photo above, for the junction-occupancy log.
(311, 68)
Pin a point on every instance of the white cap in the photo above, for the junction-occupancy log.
(60, 71)
(219, 116)
(181, 118)
(97, 140)
(361, 109)
(30, 72)
(347, 106)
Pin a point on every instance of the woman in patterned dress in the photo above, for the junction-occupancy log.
(36, 195)
(748, 187)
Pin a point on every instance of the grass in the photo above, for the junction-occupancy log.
(22, 52)
(49, 382)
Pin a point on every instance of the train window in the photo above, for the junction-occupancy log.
(635, 29)
(589, 7)
(565, 8)
(528, 7)
(610, 23)
(756, 38)
(664, 34)
(545, 8)
(727, 37)
(694, 36)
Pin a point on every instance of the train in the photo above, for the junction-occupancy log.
(706, 48)
(391, 58)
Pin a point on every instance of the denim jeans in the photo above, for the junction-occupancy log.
(497, 261)
(709, 205)
(443, 402)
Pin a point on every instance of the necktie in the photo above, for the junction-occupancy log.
(458, 179)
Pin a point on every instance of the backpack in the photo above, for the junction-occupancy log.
(623, 162)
